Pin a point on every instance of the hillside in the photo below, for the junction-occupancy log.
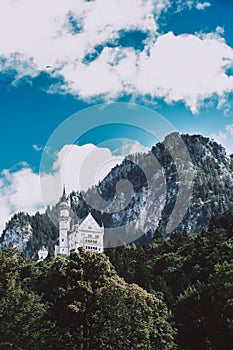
(154, 194)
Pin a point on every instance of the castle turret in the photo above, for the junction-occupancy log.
(64, 224)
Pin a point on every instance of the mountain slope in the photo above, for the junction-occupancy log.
(211, 192)
(139, 196)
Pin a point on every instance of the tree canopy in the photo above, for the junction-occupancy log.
(77, 302)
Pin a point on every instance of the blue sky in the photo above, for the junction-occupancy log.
(174, 57)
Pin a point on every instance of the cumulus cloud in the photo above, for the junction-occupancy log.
(80, 42)
(45, 32)
(78, 167)
(20, 191)
(185, 67)
(189, 68)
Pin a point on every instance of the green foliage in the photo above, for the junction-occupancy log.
(44, 232)
(134, 299)
(77, 302)
(30, 233)
(137, 318)
(20, 309)
(194, 275)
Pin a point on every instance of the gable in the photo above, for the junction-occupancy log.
(90, 224)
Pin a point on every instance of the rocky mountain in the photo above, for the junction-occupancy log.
(191, 182)
(30, 233)
(18, 232)
(181, 183)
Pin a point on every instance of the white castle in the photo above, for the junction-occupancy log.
(86, 233)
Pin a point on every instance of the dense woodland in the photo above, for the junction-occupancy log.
(77, 302)
(171, 294)
(193, 274)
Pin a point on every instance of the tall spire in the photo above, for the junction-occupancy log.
(63, 197)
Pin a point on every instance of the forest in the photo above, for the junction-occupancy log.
(171, 294)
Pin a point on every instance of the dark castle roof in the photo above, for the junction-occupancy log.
(63, 197)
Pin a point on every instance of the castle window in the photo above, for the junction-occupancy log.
(62, 240)
(90, 227)
(97, 236)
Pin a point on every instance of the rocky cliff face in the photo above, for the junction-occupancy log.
(206, 174)
(161, 189)
(17, 233)
(31, 233)
(212, 191)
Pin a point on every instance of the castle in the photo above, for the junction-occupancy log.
(86, 233)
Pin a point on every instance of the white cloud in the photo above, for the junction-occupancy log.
(187, 68)
(191, 4)
(39, 30)
(225, 137)
(220, 137)
(229, 129)
(5, 211)
(37, 148)
(25, 190)
(41, 148)
(78, 167)
(130, 147)
(202, 5)
(20, 191)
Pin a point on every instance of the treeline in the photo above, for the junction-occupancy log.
(193, 274)
(77, 302)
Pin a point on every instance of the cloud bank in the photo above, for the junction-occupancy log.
(89, 46)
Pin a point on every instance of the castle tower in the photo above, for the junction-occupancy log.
(64, 224)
